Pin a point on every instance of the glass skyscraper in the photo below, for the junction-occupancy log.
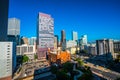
(74, 35)
(4, 4)
(13, 26)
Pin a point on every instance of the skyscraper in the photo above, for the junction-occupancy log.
(45, 34)
(104, 46)
(4, 4)
(63, 40)
(14, 30)
(63, 36)
(74, 36)
(83, 40)
(7, 60)
(32, 41)
(56, 41)
(13, 26)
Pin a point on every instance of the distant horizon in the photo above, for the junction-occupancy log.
(97, 19)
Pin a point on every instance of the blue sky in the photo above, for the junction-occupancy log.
(96, 18)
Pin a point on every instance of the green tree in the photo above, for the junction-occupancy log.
(83, 51)
(68, 66)
(80, 62)
(54, 69)
(25, 58)
(35, 56)
(61, 75)
(118, 78)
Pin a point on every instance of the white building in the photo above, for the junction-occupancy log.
(13, 26)
(71, 43)
(83, 40)
(73, 50)
(7, 59)
(74, 35)
(45, 34)
(29, 50)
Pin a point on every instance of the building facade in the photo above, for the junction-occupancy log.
(71, 43)
(63, 40)
(45, 34)
(83, 40)
(14, 38)
(105, 46)
(14, 30)
(7, 60)
(24, 40)
(4, 4)
(59, 56)
(13, 26)
(55, 42)
(32, 41)
(117, 49)
(74, 36)
(92, 49)
(28, 50)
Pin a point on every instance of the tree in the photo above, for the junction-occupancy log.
(25, 58)
(35, 56)
(86, 76)
(80, 62)
(83, 51)
(54, 69)
(68, 66)
(61, 75)
(118, 78)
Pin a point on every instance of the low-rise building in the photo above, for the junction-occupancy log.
(71, 43)
(59, 56)
(29, 50)
(73, 50)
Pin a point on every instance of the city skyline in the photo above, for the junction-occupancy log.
(74, 57)
(97, 19)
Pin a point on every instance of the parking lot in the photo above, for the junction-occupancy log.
(31, 67)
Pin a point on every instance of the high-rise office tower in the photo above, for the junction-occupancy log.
(83, 40)
(63, 40)
(14, 30)
(45, 34)
(7, 60)
(63, 36)
(104, 46)
(74, 36)
(13, 26)
(7, 49)
(32, 41)
(57, 40)
(4, 4)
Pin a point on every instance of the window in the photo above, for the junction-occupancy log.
(8, 48)
(8, 45)
(8, 51)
